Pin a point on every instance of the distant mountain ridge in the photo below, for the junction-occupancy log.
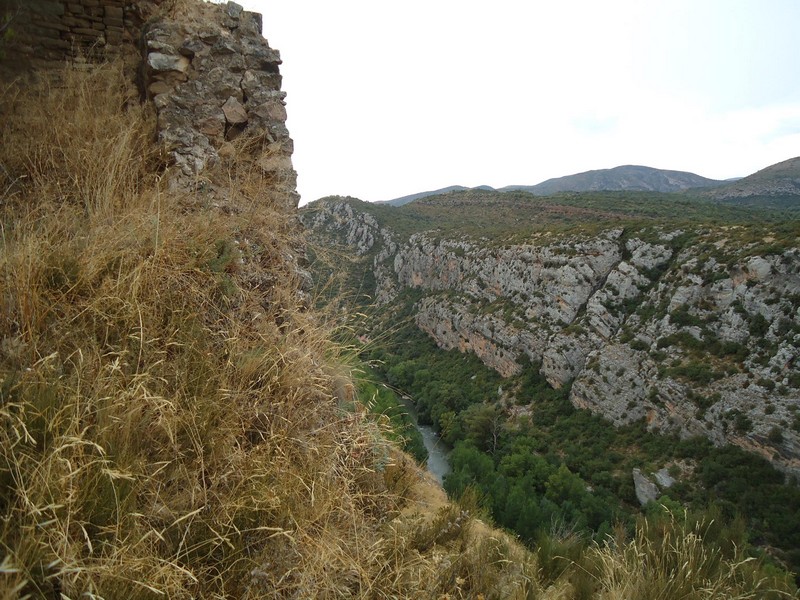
(445, 190)
(781, 180)
(624, 178)
(775, 184)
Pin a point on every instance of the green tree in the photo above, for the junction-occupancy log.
(483, 425)
(469, 466)
(563, 485)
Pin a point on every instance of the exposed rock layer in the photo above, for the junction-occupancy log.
(697, 339)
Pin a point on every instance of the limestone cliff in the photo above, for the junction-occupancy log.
(695, 330)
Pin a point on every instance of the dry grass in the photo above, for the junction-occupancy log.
(672, 559)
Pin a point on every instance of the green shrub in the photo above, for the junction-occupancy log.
(758, 326)
(767, 384)
(683, 318)
(775, 435)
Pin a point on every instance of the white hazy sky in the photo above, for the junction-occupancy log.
(387, 99)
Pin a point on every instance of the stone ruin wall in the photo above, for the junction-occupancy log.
(213, 78)
(207, 68)
(46, 32)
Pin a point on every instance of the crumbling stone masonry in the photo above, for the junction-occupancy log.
(43, 33)
(213, 79)
(206, 67)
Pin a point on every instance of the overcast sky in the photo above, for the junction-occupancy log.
(387, 99)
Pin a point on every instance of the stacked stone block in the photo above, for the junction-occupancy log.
(213, 79)
(43, 33)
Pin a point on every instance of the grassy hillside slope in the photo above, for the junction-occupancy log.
(175, 423)
(777, 186)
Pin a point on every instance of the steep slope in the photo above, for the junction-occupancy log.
(628, 177)
(174, 421)
(776, 183)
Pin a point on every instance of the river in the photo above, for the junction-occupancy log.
(437, 449)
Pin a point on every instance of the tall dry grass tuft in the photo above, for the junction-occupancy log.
(79, 138)
(674, 558)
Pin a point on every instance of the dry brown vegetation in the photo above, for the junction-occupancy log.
(174, 421)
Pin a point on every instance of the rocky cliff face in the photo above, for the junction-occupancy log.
(206, 67)
(697, 332)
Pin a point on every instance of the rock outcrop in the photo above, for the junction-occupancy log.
(646, 490)
(697, 338)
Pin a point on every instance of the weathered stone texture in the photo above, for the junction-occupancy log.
(214, 78)
(208, 70)
(47, 32)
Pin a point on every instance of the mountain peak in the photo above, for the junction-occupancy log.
(622, 178)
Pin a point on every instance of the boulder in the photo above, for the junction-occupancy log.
(646, 490)
(235, 114)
